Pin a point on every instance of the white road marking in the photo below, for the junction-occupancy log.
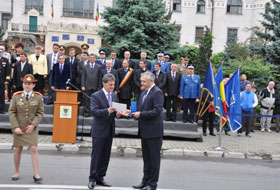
(64, 187)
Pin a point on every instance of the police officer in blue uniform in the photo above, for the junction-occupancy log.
(189, 93)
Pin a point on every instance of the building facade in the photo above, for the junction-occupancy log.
(73, 21)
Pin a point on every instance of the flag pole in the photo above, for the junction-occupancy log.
(220, 147)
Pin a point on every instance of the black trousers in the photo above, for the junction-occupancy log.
(169, 114)
(87, 100)
(246, 122)
(40, 84)
(2, 97)
(125, 101)
(51, 93)
(210, 117)
(100, 157)
(188, 104)
(151, 156)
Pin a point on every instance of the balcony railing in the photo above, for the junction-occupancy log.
(28, 28)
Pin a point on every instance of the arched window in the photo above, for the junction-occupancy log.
(200, 6)
(234, 6)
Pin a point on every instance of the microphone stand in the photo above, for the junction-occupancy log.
(83, 119)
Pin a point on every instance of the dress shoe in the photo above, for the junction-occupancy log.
(204, 134)
(226, 133)
(49, 103)
(102, 183)
(168, 119)
(150, 188)
(212, 134)
(174, 120)
(248, 135)
(15, 178)
(91, 184)
(140, 186)
(185, 121)
(37, 179)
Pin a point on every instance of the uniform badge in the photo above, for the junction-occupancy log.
(21, 100)
(4, 64)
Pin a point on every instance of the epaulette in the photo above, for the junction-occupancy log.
(19, 92)
(38, 93)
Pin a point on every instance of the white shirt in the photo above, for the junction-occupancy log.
(22, 65)
(54, 59)
(29, 94)
(106, 94)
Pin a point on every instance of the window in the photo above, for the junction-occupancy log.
(78, 8)
(5, 19)
(200, 6)
(34, 4)
(234, 7)
(199, 31)
(232, 35)
(177, 5)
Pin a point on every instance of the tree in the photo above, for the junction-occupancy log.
(271, 34)
(139, 25)
(204, 53)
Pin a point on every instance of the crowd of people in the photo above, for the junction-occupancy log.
(180, 85)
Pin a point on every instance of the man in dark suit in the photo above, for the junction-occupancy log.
(143, 57)
(109, 69)
(126, 83)
(80, 67)
(61, 74)
(131, 63)
(160, 79)
(52, 58)
(115, 62)
(72, 61)
(137, 80)
(90, 81)
(151, 130)
(21, 69)
(102, 130)
(172, 92)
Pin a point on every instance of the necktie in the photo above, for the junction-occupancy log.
(173, 76)
(60, 69)
(26, 96)
(144, 97)
(71, 61)
(110, 99)
(113, 62)
(91, 67)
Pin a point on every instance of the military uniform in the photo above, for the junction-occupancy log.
(182, 69)
(24, 112)
(4, 76)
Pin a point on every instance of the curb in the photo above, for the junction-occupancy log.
(121, 151)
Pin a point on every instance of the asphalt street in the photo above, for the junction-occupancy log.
(66, 170)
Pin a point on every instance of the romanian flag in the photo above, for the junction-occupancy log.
(52, 9)
(211, 88)
(221, 87)
(97, 12)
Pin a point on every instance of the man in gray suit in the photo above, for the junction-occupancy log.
(52, 58)
(90, 81)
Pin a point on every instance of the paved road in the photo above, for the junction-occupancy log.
(62, 170)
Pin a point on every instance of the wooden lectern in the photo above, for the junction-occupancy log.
(65, 116)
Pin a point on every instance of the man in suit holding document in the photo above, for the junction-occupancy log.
(102, 130)
(150, 129)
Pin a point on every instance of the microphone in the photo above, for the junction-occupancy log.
(67, 82)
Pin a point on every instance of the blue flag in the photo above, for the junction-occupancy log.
(211, 87)
(232, 91)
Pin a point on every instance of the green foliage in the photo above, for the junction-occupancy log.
(139, 25)
(182, 51)
(271, 34)
(238, 51)
(204, 53)
(217, 59)
(254, 68)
